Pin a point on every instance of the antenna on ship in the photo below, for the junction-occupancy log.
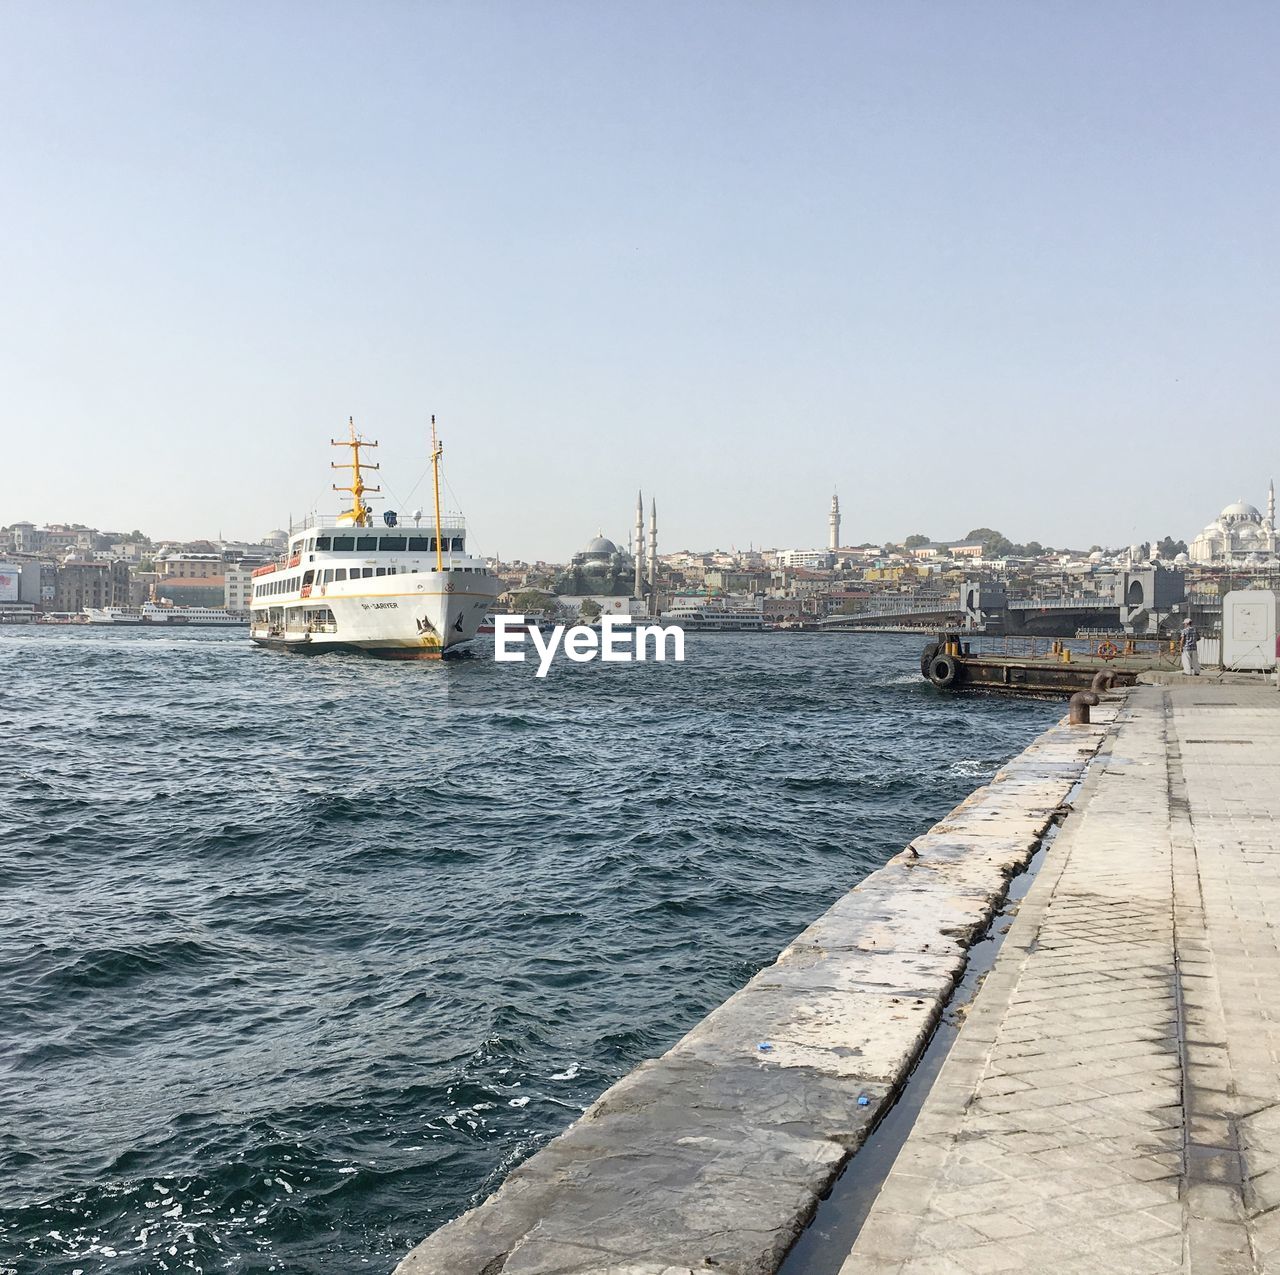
(359, 513)
(437, 450)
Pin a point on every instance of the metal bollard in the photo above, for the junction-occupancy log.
(1103, 680)
(1078, 707)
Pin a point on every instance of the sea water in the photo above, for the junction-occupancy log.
(300, 956)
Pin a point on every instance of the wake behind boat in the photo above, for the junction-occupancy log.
(394, 591)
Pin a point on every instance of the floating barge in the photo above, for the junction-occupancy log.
(1029, 666)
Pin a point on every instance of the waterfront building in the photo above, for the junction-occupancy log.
(1240, 534)
(237, 587)
(23, 573)
(191, 579)
(19, 590)
(79, 584)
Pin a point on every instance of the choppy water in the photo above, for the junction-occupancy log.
(299, 956)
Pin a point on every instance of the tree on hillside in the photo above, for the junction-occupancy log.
(1171, 548)
(531, 600)
(994, 543)
(916, 540)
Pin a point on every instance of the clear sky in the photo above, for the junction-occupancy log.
(1011, 264)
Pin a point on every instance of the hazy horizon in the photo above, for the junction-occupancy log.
(987, 263)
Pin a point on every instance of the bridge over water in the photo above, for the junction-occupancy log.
(987, 606)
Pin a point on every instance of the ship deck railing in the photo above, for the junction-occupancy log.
(449, 521)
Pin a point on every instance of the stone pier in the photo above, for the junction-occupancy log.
(714, 1156)
(1113, 1100)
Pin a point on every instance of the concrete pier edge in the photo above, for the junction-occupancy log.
(714, 1156)
(1112, 1102)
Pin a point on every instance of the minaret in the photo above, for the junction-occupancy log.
(653, 557)
(1271, 503)
(637, 545)
(833, 540)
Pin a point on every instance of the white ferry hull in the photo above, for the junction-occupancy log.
(424, 615)
(162, 616)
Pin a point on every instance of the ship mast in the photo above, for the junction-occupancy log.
(359, 513)
(436, 451)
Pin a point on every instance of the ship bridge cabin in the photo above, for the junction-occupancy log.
(378, 540)
(331, 554)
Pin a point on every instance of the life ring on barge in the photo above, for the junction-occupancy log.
(944, 669)
(1108, 650)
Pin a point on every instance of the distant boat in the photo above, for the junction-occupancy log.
(394, 591)
(150, 613)
(713, 616)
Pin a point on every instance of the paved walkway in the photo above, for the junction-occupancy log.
(1112, 1103)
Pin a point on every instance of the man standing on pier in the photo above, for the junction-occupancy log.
(1190, 652)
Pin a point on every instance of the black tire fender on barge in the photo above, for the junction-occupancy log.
(926, 657)
(944, 670)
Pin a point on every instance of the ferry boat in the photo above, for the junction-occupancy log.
(394, 591)
(153, 613)
(706, 616)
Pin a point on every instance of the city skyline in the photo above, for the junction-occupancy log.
(937, 258)
(405, 517)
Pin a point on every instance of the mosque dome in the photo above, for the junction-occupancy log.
(601, 545)
(1239, 532)
(1239, 512)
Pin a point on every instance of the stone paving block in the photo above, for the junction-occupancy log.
(855, 1034)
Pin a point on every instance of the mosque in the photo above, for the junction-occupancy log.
(600, 569)
(606, 570)
(1239, 535)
